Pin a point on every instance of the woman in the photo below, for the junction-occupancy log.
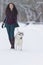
(11, 22)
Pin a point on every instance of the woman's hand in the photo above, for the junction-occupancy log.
(3, 25)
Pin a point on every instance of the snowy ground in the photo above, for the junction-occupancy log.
(32, 53)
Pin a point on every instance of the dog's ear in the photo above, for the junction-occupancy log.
(18, 32)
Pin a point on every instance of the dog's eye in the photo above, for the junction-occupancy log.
(18, 34)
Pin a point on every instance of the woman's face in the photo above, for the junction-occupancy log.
(11, 7)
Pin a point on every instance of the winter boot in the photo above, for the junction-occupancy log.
(12, 43)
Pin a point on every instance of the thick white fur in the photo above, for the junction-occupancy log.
(18, 40)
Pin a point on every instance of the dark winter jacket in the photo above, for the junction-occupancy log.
(11, 20)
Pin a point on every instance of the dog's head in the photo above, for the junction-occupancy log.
(20, 35)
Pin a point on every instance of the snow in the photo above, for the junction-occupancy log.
(32, 53)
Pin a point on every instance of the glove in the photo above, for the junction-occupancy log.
(3, 25)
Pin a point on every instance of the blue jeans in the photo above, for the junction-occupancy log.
(10, 30)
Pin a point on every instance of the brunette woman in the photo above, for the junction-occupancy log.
(11, 22)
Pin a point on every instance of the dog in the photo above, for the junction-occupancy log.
(18, 40)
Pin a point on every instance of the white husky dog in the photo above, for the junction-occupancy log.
(18, 40)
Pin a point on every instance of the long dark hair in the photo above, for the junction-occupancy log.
(14, 11)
